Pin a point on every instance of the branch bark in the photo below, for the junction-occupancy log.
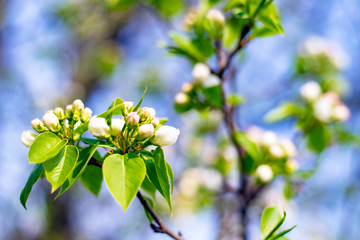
(160, 226)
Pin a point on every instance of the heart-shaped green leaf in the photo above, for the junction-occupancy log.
(47, 145)
(58, 168)
(92, 179)
(270, 219)
(123, 175)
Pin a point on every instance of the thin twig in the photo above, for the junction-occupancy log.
(161, 227)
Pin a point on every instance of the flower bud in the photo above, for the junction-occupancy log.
(310, 91)
(276, 151)
(51, 121)
(216, 17)
(165, 136)
(182, 99)
(86, 114)
(341, 113)
(117, 125)
(78, 105)
(146, 130)
(59, 112)
(155, 122)
(187, 87)
(211, 81)
(38, 125)
(126, 107)
(323, 108)
(289, 147)
(98, 127)
(69, 111)
(255, 134)
(132, 119)
(146, 113)
(291, 165)
(201, 72)
(28, 137)
(269, 138)
(264, 173)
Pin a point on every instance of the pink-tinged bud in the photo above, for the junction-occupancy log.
(28, 137)
(291, 165)
(126, 108)
(132, 119)
(117, 125)
(276, 151)
(146, 113)
(146, 130)
(59, 112)
(155, 122)
(86, 114)
(165, 136)
(264, 173)
(182, 99)
(51, 121)
(98, 127)
(310, 91)
(78, 105)
(341, 113)
(201, 72)
(69, 111)
(38, 125)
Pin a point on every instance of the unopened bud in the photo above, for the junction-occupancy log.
(201, 72)
(126, 108)
(117, 125)
(187, 87)
(147, 113)
(289, 147)
(78, 105)
(291, 165)
(132, 119)
(341, 113)
(215, 23)
(269, 138)
(310, 91)
(51, 121)
(38, 125)
(28, 137)
(86, 114)
(146, 130)
(276, 151)
(165, 136)
(182, 99)
(264, 173)
(59, 112)
(155, 122)
(69, 111)
(98, 127)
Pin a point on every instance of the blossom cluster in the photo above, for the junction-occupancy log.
(62, 122)
(277, 154)
(326, 106)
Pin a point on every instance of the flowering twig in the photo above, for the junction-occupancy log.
(161, 227)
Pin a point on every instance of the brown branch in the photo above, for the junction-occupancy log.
(161, 227)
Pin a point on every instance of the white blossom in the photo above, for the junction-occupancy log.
(310, 91)
(146, 130)
(165, 136)
(216, 17)
(51, 121)
(323, 108)
(269, 138)
(86, 114)
(98, 127)
(28, 137)
(264, 173)
(276, 151)
(182, 98)
(341, 112)
(289, 147)
(117, 125)
(201, 72)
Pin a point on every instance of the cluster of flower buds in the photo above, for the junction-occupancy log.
(59, 121)
(327, 106)
(315, 47)
(273, 150)
(133, 128)
(202, 78)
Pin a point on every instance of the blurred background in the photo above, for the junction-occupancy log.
(52, 52)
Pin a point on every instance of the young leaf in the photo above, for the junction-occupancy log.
(80, 166)
(318, 138)
(123, 175)
(33, 177)
(171, 175)
(213, 95)
(45, 146)
(270, 218)
(248, 145)
(141, 99)
(283, 111)
(58, 168)
(82, 128)
(281, 234)
(148, 187)
(92, 179)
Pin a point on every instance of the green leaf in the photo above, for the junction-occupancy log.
(318, 138)
(80, 166)
(213, 95)
(235, 99)
(270, 219)
(47, 145)
(33, 177)
(148, 187)
(93, 141)
(249, 146)
(281, 234)
(123, 175)
(58, 168)
(283, 111)
(141, 99)
(92, 179)
(273, 24)
(167, 8)
(152, 205)
(171, 175)
(82, 128)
